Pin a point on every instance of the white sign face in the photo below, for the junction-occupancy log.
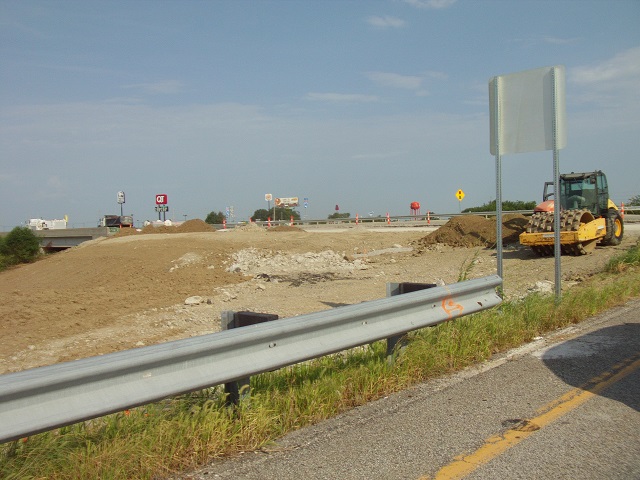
(287, 202)
(527, 104)
(268, 197)
(120, 197)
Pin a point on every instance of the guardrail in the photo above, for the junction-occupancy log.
(397, 220)
(634, 209)
(45, 398)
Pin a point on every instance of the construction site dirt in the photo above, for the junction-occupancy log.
(143, 287)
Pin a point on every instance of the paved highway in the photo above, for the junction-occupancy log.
(566, 406)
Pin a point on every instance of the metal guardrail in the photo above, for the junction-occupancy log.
(395, 220)
(45, 398)
(632, 208)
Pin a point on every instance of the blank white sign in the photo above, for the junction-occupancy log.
(525, 105)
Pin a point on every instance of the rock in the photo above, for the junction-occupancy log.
(195, 300)
(544, 286)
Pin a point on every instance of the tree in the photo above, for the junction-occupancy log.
(215, 218)
(634, 200)
(262, 214)
(337, 215)
(281, 213)
(20, 245)
(506, 205)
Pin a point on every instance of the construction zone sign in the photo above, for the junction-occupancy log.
(287, 202)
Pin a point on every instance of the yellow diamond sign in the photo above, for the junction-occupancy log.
(460, 195)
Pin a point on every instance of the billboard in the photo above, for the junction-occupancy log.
(287, 202)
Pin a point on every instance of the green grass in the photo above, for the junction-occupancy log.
(179, 434)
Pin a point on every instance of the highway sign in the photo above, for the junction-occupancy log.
(460, 195)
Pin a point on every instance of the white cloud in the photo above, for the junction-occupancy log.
(158, 88)
(622, 69)
(55, 182)
(435, 75)
(8, 178)
(560, 41)
(387, 79)
(378, 155)
(342, 97)
(386, 22)
(432, 4)
(612, 84)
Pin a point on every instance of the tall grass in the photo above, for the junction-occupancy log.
(176, 435)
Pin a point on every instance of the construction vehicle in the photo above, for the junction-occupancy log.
(116, 222)
(587, 216)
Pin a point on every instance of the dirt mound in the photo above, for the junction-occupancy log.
(285, 228)
(126, 232)
(476, 231)
(249, 227)
(190, 226)
(194, 226)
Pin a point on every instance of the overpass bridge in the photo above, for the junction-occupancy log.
(61, 239)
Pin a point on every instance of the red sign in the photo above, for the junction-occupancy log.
(161, 199)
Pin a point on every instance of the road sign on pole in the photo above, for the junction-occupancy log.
(460, 195)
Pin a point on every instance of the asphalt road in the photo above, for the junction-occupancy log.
(566, 406)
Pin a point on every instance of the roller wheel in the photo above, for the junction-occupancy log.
(615, 228)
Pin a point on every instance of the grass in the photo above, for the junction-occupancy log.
(467, 266)
(179, 434)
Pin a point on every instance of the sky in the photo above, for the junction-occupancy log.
(362, 105)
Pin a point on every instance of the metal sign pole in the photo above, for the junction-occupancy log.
(556, 188)
(496, 129)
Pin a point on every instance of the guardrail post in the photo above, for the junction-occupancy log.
(397, 343)
(239, 389)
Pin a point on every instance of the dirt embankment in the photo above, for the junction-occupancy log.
(476, 231)
(164, 283)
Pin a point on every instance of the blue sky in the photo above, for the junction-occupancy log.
(368, 105)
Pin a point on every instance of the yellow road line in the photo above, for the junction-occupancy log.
(498, 444)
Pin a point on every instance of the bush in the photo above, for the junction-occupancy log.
(215, 218)
(20, 245)
(507, 205)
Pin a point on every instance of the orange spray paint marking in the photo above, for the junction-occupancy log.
(450, 307)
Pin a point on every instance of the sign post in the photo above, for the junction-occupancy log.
(121, 201)
(460, 196)
(161, 205)
(268, 197)
(528, 114)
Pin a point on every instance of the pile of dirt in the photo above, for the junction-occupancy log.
(194, 226)
(285, 228)
(476, 231)
(249, 227)
(190, 226)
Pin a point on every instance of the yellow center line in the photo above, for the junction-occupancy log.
(463, 465)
